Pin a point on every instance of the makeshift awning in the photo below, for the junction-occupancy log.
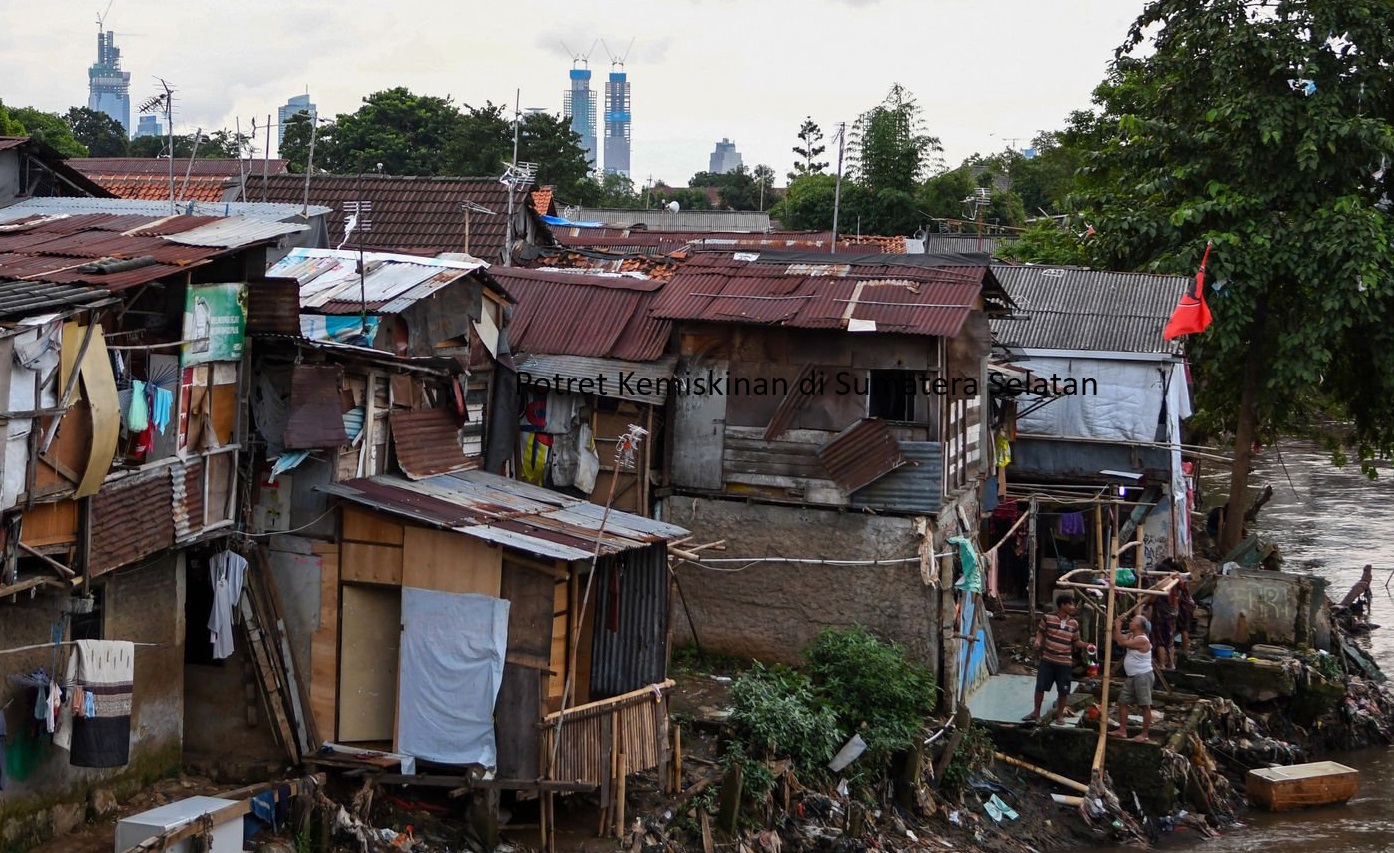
(507, 512)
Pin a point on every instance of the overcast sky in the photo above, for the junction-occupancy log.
(985, 71)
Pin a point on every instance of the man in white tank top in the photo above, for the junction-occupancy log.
(1137, 669)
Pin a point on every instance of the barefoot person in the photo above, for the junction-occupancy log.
(1057, 636)
(1137, 669)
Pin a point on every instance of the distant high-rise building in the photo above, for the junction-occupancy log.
(725, 158)
(617, 119)
(108, 87)
(296, 105)
(149, 125)
(578, 102)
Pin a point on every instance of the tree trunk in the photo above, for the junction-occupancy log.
(1245, 432)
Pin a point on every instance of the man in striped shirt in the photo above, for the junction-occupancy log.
(1057, 636)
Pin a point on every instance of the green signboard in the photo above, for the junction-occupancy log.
(215, 323)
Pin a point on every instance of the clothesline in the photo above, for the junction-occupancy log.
(1008, 534)
(62, 643)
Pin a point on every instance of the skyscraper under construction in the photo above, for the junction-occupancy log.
(578, 102)
(617, 120)
(108, 87)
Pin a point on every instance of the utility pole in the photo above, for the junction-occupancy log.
(837, 191)
(508, 230)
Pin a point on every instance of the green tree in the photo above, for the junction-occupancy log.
(218, 145)
(807, 204)
(100, 133)
(9, 126)
(610, 191)
(482, 144)
(1261, 125)
(763, 176)
(808, 149)
(549, 141)
(395, 132)
(688, 198)
(49, 129)
(295, 142)
(889, 146)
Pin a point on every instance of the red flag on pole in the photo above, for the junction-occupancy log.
(1192, 315)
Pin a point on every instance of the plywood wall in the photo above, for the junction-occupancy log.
(324, 644)
(450, 562)
(371, 548)
(372, 637)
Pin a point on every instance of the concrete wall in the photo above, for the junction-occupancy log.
(144, 604)
(1276, 608)
(772, 611)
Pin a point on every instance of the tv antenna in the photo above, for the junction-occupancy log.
(581, 59)
(978, 202)
(164, 102)
(472, 207)
(617, 60)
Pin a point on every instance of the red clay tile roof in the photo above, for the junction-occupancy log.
(542, 201)
(807, 291)
(157, 166)
(418, 215)
(560, 313)
(207, 188)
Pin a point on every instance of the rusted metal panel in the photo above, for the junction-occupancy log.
(186, 487)
(273, 307)
(917, 486)
(598, 316)
(861, 454)
(316, 410)
(428, 443)
(132, 518)
(870, 291)
(631, 622)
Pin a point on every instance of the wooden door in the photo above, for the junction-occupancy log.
(371, 632)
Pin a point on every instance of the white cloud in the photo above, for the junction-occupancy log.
(700, 71)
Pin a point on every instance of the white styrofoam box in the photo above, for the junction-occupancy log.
(227, 836)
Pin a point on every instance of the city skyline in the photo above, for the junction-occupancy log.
(692, 85)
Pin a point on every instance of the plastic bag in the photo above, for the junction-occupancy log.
(588, 463)
(1124, 577)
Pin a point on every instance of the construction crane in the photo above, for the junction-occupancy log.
(581, 59)
(617, 60)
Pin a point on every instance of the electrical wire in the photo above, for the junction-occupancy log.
(322, 516)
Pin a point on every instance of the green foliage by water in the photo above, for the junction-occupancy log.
(974, 753)
(778, 715)
(872, 688)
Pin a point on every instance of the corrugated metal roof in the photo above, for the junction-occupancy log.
(131, 518)
(642, 381)
(950, 244)
(861, 454)
(585, 315)
(330, 281)
(8, 142)
(508, 512)
(1072, 308)
(826, 294)
(315, 417)
(186, 488)
(409, 214)
(428, 443)
(914, 487)
(154, 209)
(132, 250)
(235, 231)
(22, 298)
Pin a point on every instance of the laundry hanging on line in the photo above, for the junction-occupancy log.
(226, 571)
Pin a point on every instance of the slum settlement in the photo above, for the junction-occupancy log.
(428, 535)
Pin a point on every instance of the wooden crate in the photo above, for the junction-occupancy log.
(1320, 783)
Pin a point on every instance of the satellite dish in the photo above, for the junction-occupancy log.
(673, 206)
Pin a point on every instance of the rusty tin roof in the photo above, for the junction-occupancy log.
(861, 454)
(331, 284)
(507, 512)
(428, 443)
(905, 294)
(598, 316)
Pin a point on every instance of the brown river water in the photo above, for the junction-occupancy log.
(1330, 522)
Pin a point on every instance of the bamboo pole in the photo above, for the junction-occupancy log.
(1041, 771)
(1032, 561)
(1096, 770)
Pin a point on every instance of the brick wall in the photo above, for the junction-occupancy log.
(143, 604)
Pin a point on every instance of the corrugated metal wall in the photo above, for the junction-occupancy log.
(917, 487)
(631, 632)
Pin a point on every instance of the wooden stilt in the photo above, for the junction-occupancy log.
(1097, 768)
